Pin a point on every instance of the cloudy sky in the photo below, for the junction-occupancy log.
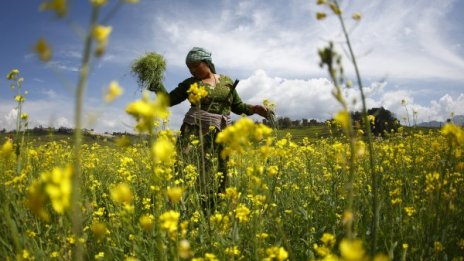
(407, 50)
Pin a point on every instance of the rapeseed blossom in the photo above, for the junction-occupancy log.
(238, 137)
(146, 222)
(276, 254)
(147, 112)
(454, 132)
(113, 92)
(6, 149)
(60, 7)
(98, 3)
(169, 221)
(12, 75)
(164, 150)
(43, 50)
(58, 186)
(100, 34)
(122, 193)
(174, 194)
(242, 213)
(184, 250)
(196, 93)
(352, 250)
(344, 119)
(98, 229)
(356, 16)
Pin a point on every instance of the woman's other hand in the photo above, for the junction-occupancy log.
(260, 110)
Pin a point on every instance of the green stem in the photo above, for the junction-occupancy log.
(367, 128)
(76, 195)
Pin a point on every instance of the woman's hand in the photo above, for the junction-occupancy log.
(260, 110)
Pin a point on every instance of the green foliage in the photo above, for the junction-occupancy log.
(149, 69)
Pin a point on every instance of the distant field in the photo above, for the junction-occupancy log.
(297, 134)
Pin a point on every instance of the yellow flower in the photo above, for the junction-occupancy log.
(98, 229)
(59, 6)
(321, 2)
(19, 98)
(276, 253)
(146, 222)
(24, 255)
(100, 255)
(175, 194)
(335, 8)
(320, 15)
(196, 93)
(101, 33)
(352, 249)
(98, 3)
(58, 186)
(12, 74)
(357, 16)
(371, 119)
(454, 133)
(164, 150)
(437, 246)
(43, 50)
(169, 221)
(24, 116)
(328, 239)
(183, 249)
(242, 213)
(122, 193)
(344, 118)
(232, 251)
(410, 211)
(146, 112)
(6, 149)
(114, 91)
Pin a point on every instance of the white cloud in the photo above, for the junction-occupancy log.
(310, 99)
(397, 38)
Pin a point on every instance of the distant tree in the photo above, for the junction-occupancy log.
(295, 123)
(305, 122)
(284, 122)
(385, 121)
(313, 122)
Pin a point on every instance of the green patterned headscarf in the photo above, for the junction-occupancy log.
(198, 54)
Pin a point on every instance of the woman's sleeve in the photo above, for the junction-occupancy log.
(239, 107)
(178, 95)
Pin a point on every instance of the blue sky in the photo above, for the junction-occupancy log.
(407, 50)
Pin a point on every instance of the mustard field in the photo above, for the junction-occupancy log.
(284, 200)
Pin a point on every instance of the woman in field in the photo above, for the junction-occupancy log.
(213, 97)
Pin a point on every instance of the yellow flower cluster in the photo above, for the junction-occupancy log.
(238, 137)
(114, 91)
(6, 149)
(453, 132)
(147, 112)
(60, 7)
(55, 186)
(196, 93)
(164, 150)
(12, 75)
(242, 213)
(276, 254)
(169, 222)
(122, 193)
(43, 50)
(100, 34)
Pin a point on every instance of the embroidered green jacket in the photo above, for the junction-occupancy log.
(221, 99)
